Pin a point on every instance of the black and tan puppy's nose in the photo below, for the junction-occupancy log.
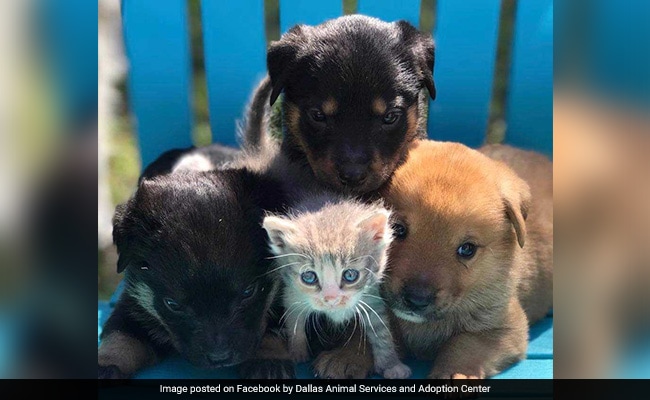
(353, 174)
(218, 357)
(417, 298)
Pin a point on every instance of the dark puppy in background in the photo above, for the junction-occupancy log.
(353, 98)
(195, 258)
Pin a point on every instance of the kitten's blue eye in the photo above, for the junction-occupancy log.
(350, 275)
(309, 277)
(466, 250)
(249, 291)
(172, 304)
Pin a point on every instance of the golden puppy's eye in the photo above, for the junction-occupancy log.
(400, 231)
(466, 250)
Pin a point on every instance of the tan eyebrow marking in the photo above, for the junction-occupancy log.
(379, 106)
(293, 117)
(330, 106)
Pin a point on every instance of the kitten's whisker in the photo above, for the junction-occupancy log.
(366, 256)
(290, 310)
(295, 327)
(316, 323)
(362, 326)
(302, 268)
(318, 326)
(282, 318)
(372, 295)
(368, 315)
(373, 273)
(280, 267)
(287, 255)
(353, 331)
(380, 318)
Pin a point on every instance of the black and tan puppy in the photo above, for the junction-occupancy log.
(195, 258)
(353, 97)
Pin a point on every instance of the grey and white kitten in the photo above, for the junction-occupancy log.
(331, 253)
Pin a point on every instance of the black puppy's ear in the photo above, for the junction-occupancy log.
(164, 163)
(422, 46)
(281, 58)
(119, 235)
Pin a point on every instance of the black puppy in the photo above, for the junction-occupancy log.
(195, 258)
(353, 97)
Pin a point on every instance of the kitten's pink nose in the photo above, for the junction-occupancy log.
(332, 300)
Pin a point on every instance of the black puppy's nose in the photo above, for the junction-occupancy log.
(417, 298)
(218, 357)
(353, 174)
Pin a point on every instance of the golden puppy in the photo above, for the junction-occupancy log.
(472, 263)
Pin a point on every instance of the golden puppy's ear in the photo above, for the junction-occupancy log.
(516, 198)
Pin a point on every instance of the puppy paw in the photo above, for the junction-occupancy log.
(450, 375)
(463, 376)
(267, 369)
(110, 372)
(340, 364)
(398, 371)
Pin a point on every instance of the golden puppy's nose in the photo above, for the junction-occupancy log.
(417, 297)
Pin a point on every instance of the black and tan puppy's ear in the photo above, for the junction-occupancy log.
(517, 200)
(119, 235)
(423, 49)
(282, 57)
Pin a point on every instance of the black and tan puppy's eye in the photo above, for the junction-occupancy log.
(466, 250)
(172, 304)
(317, 115)
(391, 117)
(400, 231)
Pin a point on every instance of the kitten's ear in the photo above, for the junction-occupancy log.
(378, 225)
(278, 229)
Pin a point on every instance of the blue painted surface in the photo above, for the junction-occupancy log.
(390, 10)
(156, 34)
(529, 369)
(308, 12)
(529, 110)
(466, 42)
(541, 340)
(235, 60)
